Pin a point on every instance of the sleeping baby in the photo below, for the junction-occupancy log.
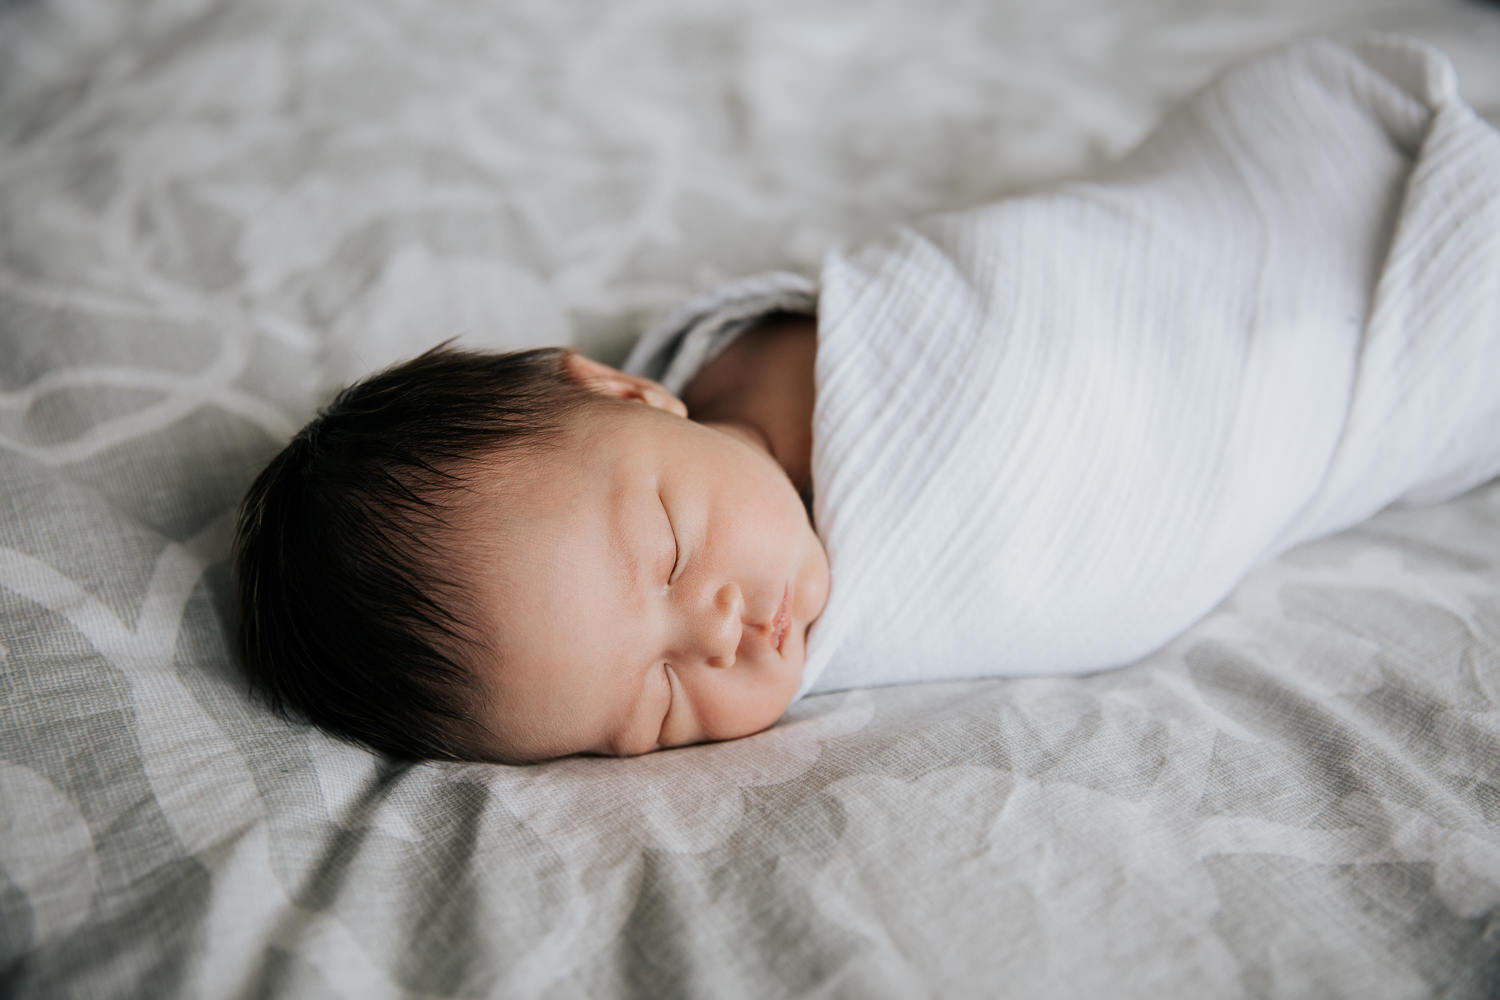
(1040, 436)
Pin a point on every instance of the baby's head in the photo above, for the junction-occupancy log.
(523, 556)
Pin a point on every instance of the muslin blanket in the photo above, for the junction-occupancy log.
(1053, 431)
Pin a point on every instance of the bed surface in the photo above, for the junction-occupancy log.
(212, 213)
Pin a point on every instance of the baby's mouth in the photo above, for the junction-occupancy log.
(781, 624)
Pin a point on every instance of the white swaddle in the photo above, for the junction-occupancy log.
(1053, 431)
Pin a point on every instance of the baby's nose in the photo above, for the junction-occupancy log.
(723, 626)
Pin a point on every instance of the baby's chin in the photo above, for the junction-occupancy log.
(749, 719)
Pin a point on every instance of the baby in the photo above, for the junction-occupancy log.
(524, 556)
(1041, 436)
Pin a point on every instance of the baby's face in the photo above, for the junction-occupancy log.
(649, 584)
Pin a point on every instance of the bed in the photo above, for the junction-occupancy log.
(213, 213)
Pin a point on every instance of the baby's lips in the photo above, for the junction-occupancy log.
(781, 622)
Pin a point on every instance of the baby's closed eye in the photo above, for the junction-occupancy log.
(661, 735)
(675, 549)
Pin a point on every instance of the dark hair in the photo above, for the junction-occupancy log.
(350, 612)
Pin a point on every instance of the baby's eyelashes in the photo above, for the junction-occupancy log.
(661, 733)
(676, 569)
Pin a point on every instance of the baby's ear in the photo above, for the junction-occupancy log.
(601, 378)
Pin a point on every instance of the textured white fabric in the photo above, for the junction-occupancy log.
(1053, 431)
(695, 332)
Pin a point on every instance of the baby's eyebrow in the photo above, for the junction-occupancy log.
(625, 542)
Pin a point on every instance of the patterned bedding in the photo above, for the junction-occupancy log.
(212, 212)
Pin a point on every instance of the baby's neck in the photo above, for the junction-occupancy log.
(762, 388)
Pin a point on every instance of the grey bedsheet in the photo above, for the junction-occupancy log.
(213, 212)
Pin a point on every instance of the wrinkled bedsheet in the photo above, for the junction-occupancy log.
(214, 212)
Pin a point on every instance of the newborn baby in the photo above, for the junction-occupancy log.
(518, 557)
(1040, 436)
